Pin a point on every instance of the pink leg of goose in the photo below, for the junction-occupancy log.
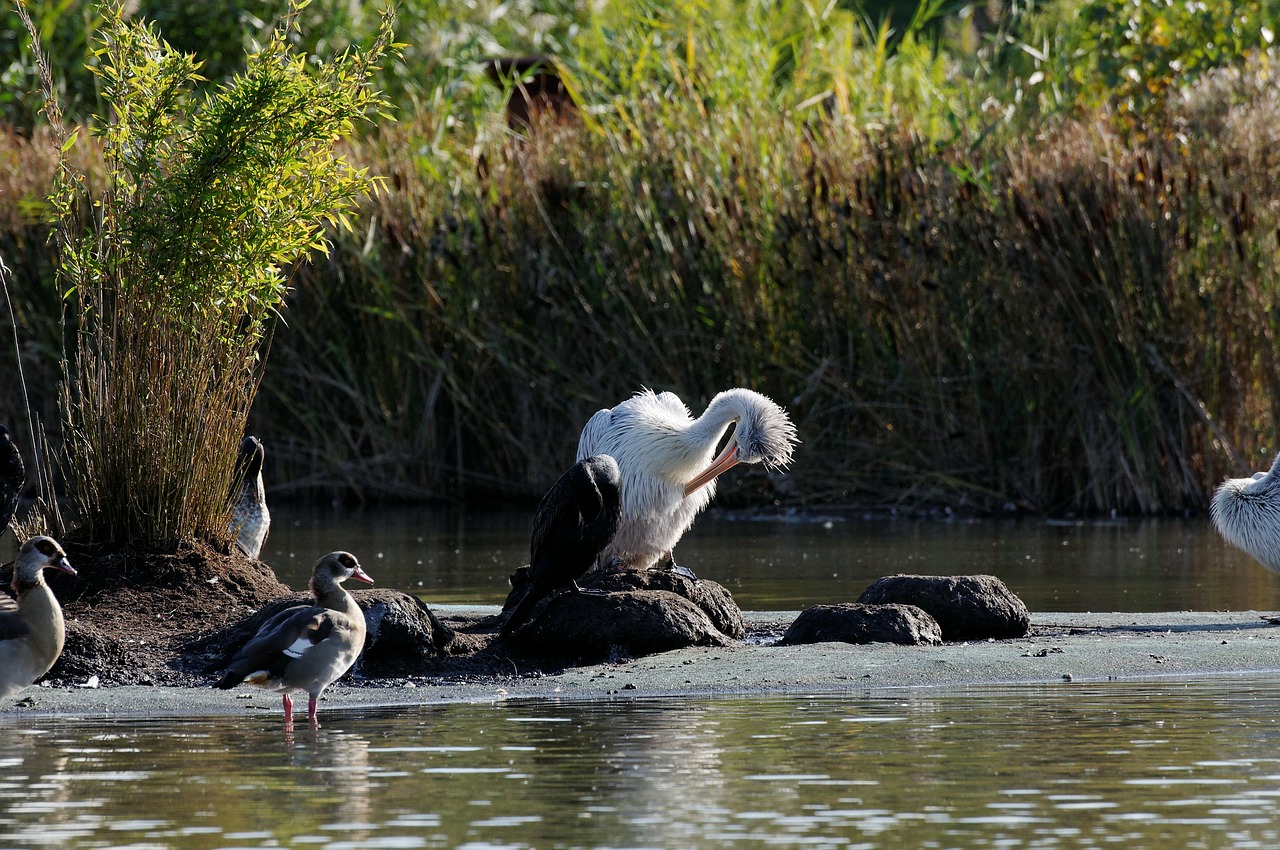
(311, 710)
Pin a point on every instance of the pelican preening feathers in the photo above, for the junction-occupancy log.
(669, 463)
(306, 647)
(32, 630)
(575, 520)
(1246, 512)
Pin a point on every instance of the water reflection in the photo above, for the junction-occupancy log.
(791, 563)
(1133, 764)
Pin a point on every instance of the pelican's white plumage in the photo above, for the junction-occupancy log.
(1246, 512)
(669, 464)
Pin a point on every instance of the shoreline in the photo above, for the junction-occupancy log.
(1060, 648)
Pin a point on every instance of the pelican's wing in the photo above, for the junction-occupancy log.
(594, 438)
(672, 403)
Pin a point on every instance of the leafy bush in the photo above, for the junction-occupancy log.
(176, 278)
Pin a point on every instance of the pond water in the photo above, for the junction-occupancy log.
(789, 563)
(1133, 764)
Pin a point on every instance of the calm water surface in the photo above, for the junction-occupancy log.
(1075, 765)
(792, 563)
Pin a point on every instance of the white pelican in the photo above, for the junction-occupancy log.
(306, 647)
(1246, 512)
(575, 520)
(669, 463)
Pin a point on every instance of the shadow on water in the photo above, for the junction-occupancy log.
(1133, 764)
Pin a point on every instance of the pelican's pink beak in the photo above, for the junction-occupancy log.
(726, 460)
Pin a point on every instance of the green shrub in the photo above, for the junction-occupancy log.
(204, 203)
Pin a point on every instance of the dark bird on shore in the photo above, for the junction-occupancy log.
(13, 475)
(575, 520)
(1246, 512)
(305, 648)
(669, 462)
(250, 519)
(32, 630)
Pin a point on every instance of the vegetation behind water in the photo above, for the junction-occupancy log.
(1030, 266)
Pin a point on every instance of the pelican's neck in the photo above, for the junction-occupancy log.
(725, 409)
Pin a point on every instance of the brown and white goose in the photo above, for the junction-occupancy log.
(31, 628)
(250, 519)
(304, 648)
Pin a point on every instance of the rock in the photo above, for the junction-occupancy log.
(853, 622)
(966, 607)
(716, 602)
(585, 628)
(403, 634)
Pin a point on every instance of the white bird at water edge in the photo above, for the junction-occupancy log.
(669, 463)
(1246, 512)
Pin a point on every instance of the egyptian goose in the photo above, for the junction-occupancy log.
(13, 474)
(250, 519)
(31, 628)
(575, 520)
(304, 648)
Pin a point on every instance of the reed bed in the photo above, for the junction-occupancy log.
(1072, 318)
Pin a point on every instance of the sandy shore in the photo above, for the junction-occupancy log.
(1061, 647)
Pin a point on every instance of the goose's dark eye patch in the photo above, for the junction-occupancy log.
(46, 547)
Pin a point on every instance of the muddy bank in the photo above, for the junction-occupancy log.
(1060, 649)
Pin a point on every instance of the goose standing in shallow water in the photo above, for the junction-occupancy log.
(575, 520)
(250, 519)
(1246, 512)
(305, 648)
(31, 628)
(669, 463)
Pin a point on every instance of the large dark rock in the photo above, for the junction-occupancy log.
(402, 635)
(714, 601)
(966, 607)
(588, 628)
(853, 622)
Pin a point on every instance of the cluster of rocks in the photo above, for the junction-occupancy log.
(631, 613)
(657, 611)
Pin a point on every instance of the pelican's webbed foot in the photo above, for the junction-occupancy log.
(669, 564)
(588, 591)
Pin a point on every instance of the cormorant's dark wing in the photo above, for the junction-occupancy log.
(558, 511)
